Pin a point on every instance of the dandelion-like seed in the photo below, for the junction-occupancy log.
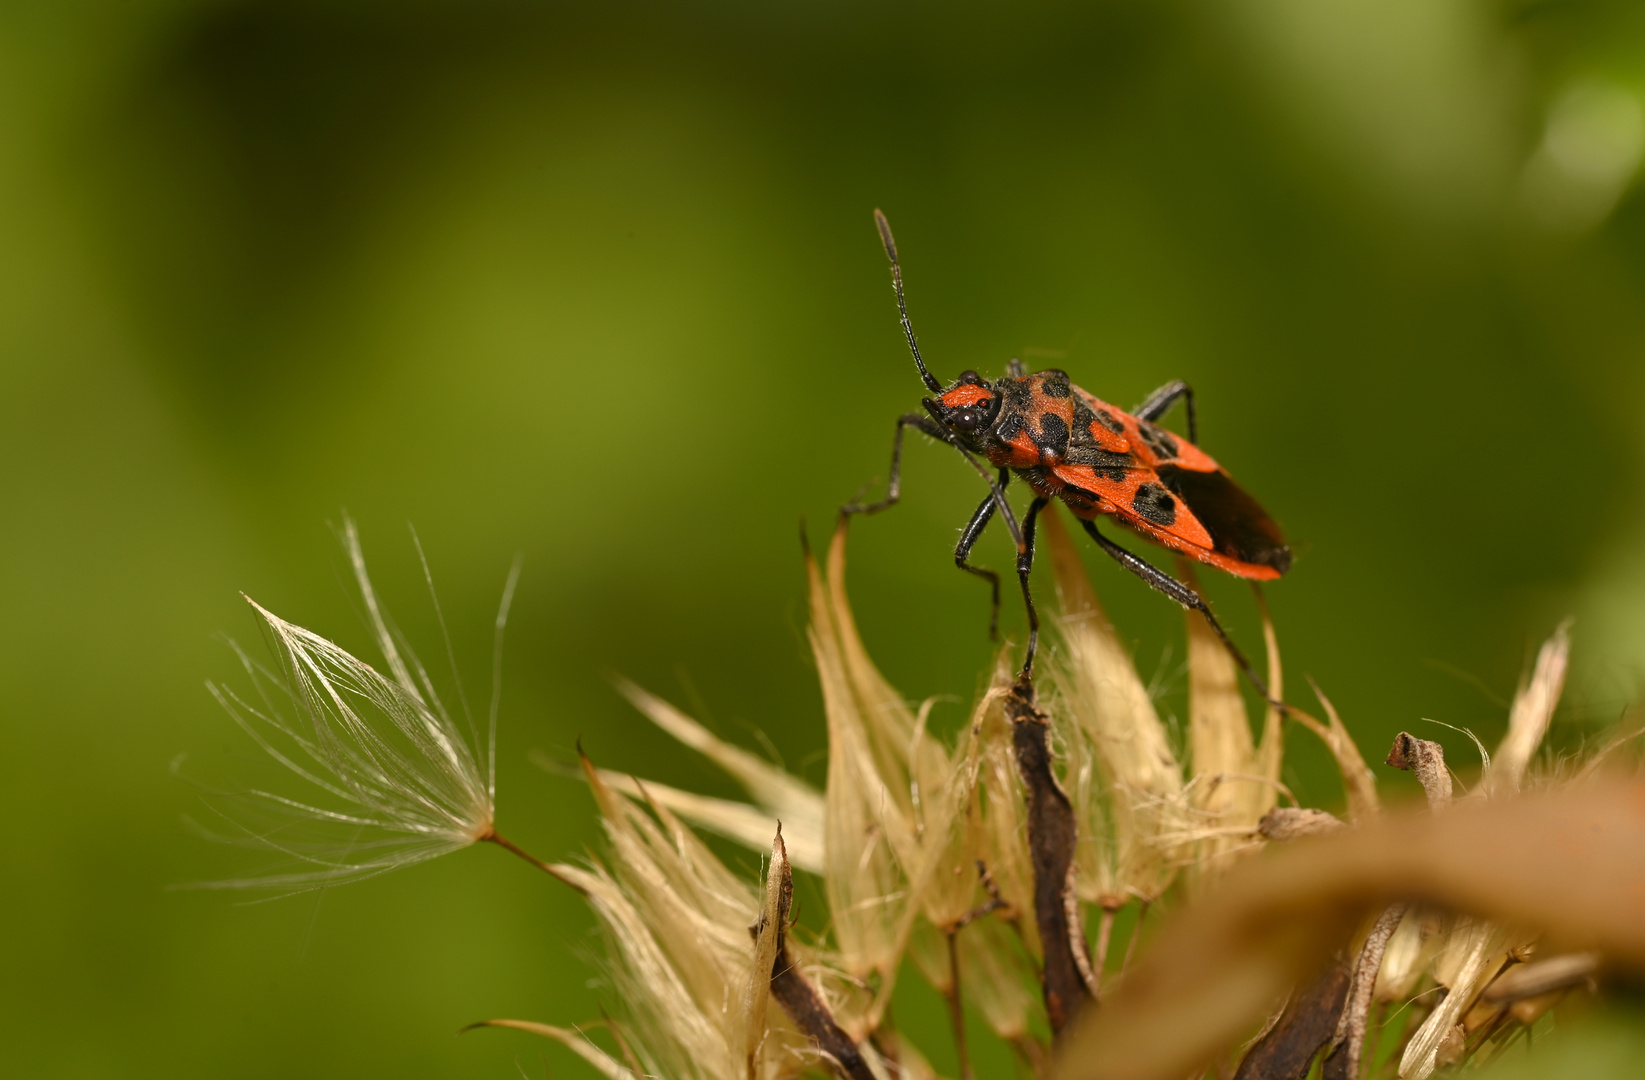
(393, 777)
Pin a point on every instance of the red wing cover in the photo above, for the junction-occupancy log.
(1240, 529)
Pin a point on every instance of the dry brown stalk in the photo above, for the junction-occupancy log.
(1051, 839)
(1286, 1050)
(1426, 761)
(1343, 1064)
(794, 991)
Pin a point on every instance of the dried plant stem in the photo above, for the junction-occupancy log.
(623, 1046)
(1344, 1062)
(800, 999)
(1136, 935)
(1105, 935)
(1286, 1050)
(508, 845)
(1426, 760)
(1051, 841)
(1033, 1053)
(956, 1004)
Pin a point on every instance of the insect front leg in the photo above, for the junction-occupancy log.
(1025, 565)
(962, 552)
(893, 486)
(1161, 400)
(1185, 596)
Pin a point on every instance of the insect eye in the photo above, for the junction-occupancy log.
(966, 420)
(970, 377)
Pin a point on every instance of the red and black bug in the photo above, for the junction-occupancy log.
(1067, 444)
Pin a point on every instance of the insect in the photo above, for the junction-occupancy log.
(1067, 444)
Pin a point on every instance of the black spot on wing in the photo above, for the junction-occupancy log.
(1160, 442)
(1239, 527)
(1153, 503)
(1017, 392)
(1105, 462)
(1054, 383)
(1108, 420)
(1052, 436)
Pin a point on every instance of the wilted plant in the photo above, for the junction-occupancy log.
(984, 864)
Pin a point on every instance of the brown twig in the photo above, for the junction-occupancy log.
(1343, 1064)
(1286, 1050)
(1425, 760)
(1051, 840)
(497, 838)
(803, 1004)
(956, 1004)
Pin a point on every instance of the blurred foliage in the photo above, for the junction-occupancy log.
(597, 284)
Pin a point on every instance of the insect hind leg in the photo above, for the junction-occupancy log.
(1160, 401)
(1185, 596)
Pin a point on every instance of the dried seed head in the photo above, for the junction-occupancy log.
(1122, 775)
(394, 778)
(1233, 782)
(886, 793)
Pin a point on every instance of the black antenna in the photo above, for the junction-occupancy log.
(902, 304)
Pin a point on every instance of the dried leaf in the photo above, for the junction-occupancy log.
(1226, 788)
(1287, 1049)
(1533, 709)
(1051, 840)
(798, 997)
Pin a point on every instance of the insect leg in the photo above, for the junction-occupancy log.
(1013, 368)
(893, 487)
(1185, 596)
(1161, 400)
(968, 538)
(1025, 564)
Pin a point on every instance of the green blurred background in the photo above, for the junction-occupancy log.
(598, 285)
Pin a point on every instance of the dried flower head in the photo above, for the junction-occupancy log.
(978, 860)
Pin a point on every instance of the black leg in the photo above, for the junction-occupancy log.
(1183, 595)
(1013, 368)
(1161, 400)
(968, 538)
(1025, 565)
(893, 486)
(996, 496)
